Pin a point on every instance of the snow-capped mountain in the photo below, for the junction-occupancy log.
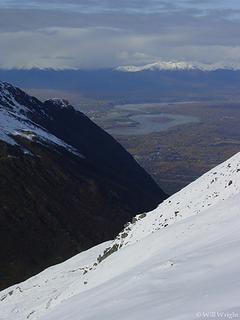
(178, 66)
(16, 109)
(180, 261)
(66, 185)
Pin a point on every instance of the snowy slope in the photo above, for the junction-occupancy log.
(180, 259)
(15, 120)
(177, 66)
(41, 292)
(217, 185)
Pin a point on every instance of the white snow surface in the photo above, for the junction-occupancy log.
(14, 121)
(177, 66)
(41, 292)
(179, 262)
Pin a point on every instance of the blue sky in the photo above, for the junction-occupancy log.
(108, 33)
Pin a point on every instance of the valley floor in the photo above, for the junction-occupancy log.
(175, 153)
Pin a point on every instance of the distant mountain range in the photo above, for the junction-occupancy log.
(154, 82)
(179, 66)
(65, 184)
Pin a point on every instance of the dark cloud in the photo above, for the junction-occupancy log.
(107, 33)
(144, 6)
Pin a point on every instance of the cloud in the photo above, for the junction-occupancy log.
(70, 48)
(106, 33)
(125, 6)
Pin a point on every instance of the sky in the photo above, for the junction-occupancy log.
(93, 34)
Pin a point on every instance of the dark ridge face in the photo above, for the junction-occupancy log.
(54, 203)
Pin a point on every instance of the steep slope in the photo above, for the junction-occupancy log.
(185, 268)
(214, 187)
(65, 185)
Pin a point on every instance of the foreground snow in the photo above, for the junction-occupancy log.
(32, 298)
(180, 261)
(174, 274)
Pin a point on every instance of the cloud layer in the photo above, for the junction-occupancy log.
(102, 34)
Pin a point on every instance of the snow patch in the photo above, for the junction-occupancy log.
(14, 120)
(61, 103)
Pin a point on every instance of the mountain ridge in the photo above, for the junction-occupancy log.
(178, 66)
(65, 184)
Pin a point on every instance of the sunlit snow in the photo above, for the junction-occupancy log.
(180, 261)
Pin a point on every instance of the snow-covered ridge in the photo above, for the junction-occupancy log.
(216, 186)
(172, 261)
(15, 110)
(178, 66)
(61, 103)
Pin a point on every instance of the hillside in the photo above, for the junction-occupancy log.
(66, 185)
(180, 261)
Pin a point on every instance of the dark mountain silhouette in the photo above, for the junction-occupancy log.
(65, 184)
